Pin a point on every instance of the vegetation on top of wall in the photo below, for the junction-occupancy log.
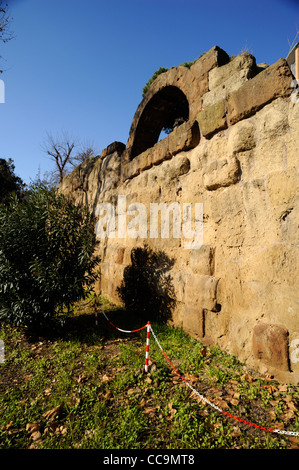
(163, 70)
(152, 79)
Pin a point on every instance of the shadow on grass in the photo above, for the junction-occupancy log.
(87, 328)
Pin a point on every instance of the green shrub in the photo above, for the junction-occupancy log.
(152, 79)
(162, 70)
(46, 257)
(9, 182)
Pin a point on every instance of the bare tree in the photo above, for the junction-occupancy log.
(5, 22)
(60, 151)
(86, 151)
(66, 153)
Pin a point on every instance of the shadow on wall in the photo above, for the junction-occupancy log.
(146, 290)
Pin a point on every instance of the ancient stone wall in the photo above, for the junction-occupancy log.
(237, 154)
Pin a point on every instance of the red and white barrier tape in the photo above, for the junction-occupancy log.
(96, 310)
(119, 329)
(147, 346)
(150, 329)
(265, 428)
(148, 325)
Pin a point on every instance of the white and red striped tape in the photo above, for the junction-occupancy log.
(147, 346)
(265, 428)
(119, 329)
(150, 329)
(148, 326)
(96, 309)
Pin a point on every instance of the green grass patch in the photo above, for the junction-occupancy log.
(85, 388)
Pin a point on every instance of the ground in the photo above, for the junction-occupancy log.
(84, 386)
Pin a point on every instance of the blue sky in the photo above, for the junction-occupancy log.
(80, 67)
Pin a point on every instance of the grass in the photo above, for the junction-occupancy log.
(85, 388)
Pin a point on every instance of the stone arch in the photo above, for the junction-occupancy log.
(168, 98)
(164, 108)
(178, 87)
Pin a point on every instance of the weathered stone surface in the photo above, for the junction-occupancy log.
(181, 139)
(270, 345)
(201, 290)
(283, 187)
(178, 167)
(239, 289)
(243, 64)
(241, 137)
(179, 87)
(184, 137)
(273, 120)
(271, 83)
(110, 171)
(221, 92)
(230, 77)
(202, 261)
(118, 147)
(212, 119)
(222, 173)
(215, 57)
(192, 320)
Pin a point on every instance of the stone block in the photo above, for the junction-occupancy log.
(125, 171)
(197, 90)
(225, 80)
(215, 57)
(270, 345)
(212, 119)
(241, 137)
(179, 282)
(157, 154)
(242, 63)
(202, 261)
(273, 120)
(184, 137)
(221, 92)
(118, 147)
(192, 320)
(222, 173)
(144, 160)
(201, 291)
(176, 167)
(283, 187)
(271, 83)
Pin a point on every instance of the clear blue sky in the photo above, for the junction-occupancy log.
(80, 66)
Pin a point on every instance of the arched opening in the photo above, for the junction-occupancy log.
(167, 109)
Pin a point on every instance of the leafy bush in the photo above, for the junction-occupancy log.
(46, 257)
(9, 182)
